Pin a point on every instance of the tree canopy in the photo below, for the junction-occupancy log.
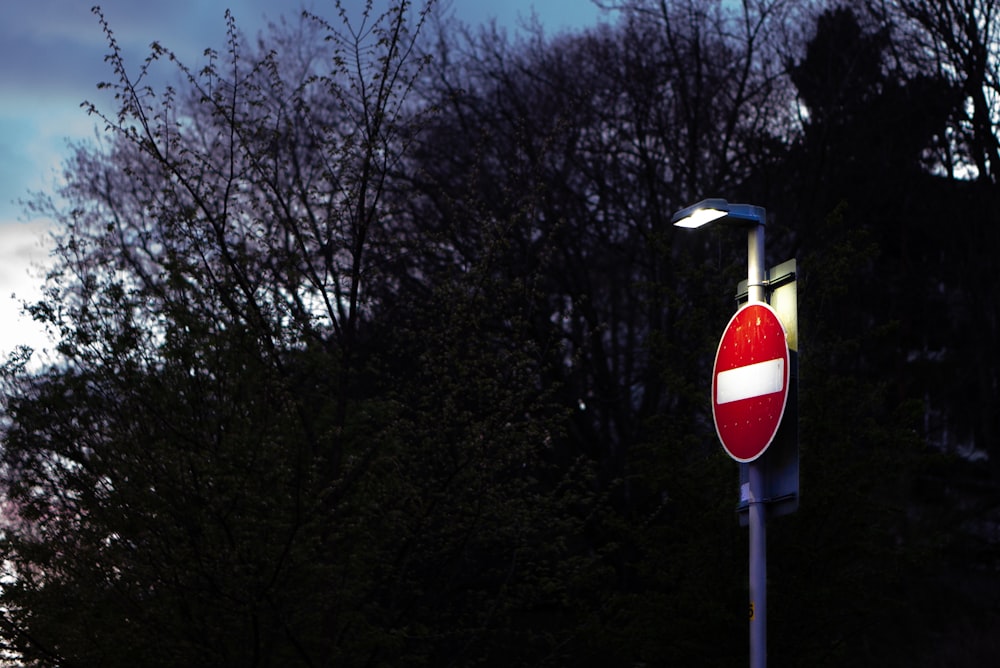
(376, 347)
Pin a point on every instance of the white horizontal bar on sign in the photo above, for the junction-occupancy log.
(752, 380)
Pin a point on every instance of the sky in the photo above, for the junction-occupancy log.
(52, 57)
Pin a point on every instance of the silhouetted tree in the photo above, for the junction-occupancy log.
(958, 41)
(377, 348)
(870, 151)
(583, 147)
(252, 450)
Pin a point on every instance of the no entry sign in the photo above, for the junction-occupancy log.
(750, 381)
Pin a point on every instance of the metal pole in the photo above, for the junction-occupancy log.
(758, 569)
(757, 510)
(755, 263)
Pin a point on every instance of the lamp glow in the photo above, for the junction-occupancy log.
(717, 209)
(700, 217)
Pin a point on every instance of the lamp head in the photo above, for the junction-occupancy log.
(711, 210)
(702, 213)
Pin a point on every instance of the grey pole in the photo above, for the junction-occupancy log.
(757, 510)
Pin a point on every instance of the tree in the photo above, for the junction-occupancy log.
(871, 128)
(879, 146)
(259, 446)
(585, 145)
(958, 41)
(381, 351)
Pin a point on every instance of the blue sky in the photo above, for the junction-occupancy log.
(52, 56)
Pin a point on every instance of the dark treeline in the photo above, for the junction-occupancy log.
(376, 346)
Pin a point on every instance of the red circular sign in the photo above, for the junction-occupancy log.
(750, 381)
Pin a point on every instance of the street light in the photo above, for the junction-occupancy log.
(754, 219)
(710, 210)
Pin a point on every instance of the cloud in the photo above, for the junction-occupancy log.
(24, 254)
(24, 247)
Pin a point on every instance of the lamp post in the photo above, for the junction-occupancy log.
(753, 218)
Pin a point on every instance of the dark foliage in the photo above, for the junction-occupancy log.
(376, 348)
